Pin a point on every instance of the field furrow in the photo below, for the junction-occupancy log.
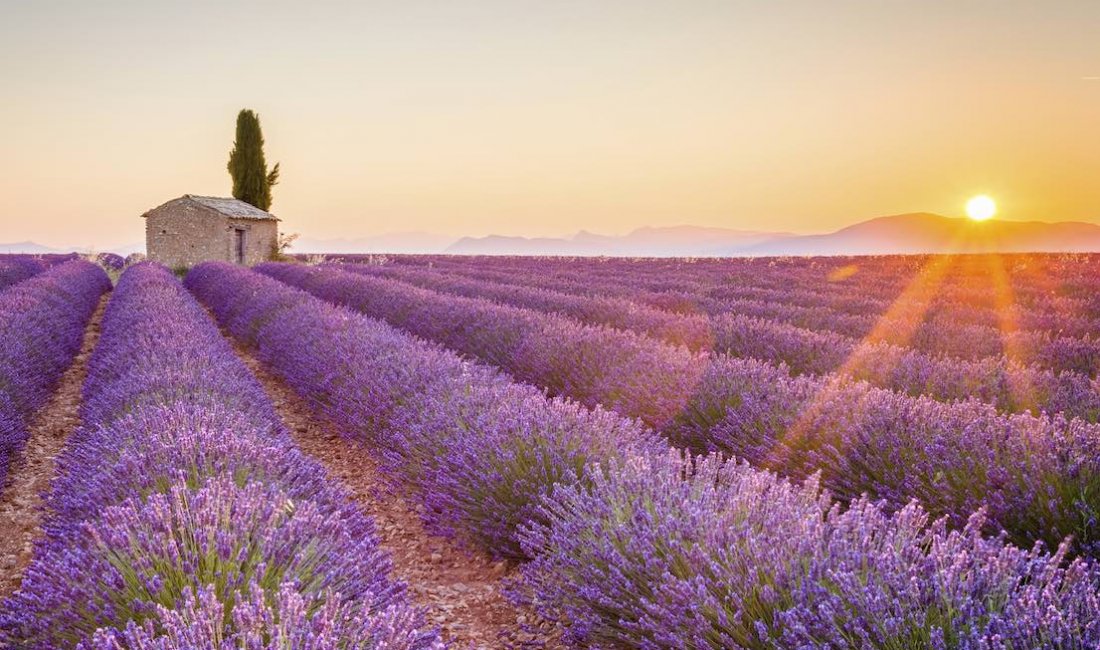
(460, 589)
(33, 469)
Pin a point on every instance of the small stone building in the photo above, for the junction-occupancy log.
(193, 229)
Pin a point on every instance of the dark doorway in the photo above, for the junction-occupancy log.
(239, 246)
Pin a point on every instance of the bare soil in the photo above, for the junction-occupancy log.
(460, 591)
(33, 469)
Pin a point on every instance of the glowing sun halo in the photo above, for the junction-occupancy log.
(981, 208)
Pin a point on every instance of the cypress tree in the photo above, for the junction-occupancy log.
(251, 181)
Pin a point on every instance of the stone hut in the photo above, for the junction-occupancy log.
(193, 229)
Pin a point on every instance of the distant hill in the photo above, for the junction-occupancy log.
(919, 232)
(932, 233)
(33, 248)
(398, 242)
(670, 241)
(28, 247)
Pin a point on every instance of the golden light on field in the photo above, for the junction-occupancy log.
(843, 273)
(981, 208)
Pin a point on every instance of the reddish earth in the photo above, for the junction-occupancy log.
(460, 591)
(32, 470)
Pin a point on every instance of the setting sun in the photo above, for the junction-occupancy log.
(981, 208)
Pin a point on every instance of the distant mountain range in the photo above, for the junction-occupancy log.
(919, 232)
(28, 247)
(931, 233)
(898, 234)
(398, 242)
(34, 248)
(672, 242)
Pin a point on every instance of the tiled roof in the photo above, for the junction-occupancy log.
(231, 207)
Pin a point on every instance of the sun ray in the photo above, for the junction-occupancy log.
(1005, 310)
(897, 324)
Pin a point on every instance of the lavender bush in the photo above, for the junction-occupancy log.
(149, 552)
(479, 449)
(183, 516)
(1039, 477)
(650, 547)
(110, 261)
(734, 325)
(1008, 385)
(42, 323)
(16, 268)
(622, 371)
(266, 622)
(180, 443)
(959, 323)
(674, 552)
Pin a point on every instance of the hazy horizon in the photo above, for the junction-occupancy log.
(546, 119)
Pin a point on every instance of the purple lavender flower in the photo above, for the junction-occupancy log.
(1038, 476)
(480, 449)
(655, 548)
(182, 514)
(669, 551)
(42, 323)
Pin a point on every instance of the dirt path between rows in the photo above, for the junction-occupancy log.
(33, 468)
(460, 591)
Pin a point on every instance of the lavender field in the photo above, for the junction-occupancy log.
(415, 452)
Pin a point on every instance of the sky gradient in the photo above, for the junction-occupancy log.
(543, 118)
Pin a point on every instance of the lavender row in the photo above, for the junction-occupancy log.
(928, 296)
(978, 374)
(692, 331)
(16, 268)
(941, 334)
(1065, 283)
(182, 515)
(1037, 476)
(630, 544)
(1048, 343)
(42, 323)
(931, 302)
(1055, 339)
(1007, 385)
(761, 284)
(634, 375)
(112, 261)
(1039, 281)
(448, 427)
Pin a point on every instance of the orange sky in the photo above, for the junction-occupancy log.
(542, 118)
